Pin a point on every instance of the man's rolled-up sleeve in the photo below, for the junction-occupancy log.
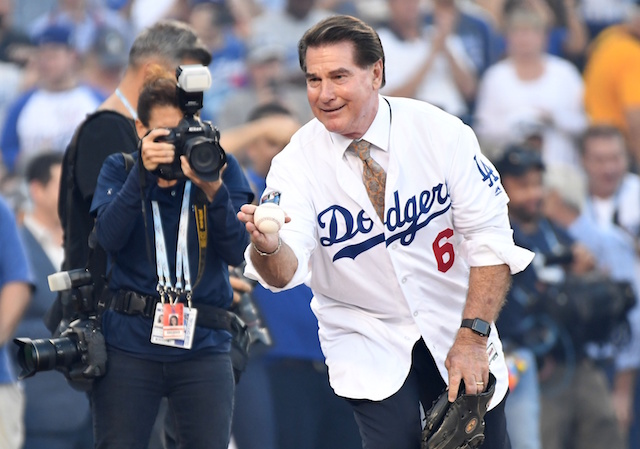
(480, 212)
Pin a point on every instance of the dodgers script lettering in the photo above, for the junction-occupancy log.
(408, 218)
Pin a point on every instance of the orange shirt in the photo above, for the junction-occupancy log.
(612, 77)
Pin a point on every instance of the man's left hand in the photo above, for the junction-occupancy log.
(467, 360)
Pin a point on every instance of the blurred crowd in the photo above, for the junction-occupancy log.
(552, 90)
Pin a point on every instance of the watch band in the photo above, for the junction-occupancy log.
(477, 325)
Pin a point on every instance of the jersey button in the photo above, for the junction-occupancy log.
(404, 280)
(394, 246)
(415, 313)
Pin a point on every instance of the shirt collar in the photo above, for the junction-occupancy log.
(38, 231)
(378, 132)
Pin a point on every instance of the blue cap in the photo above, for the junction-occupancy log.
(518, 160)
(54, 34)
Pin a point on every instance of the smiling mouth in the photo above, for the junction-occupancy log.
(328, 111)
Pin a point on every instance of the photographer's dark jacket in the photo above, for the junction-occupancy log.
(121, 231)
(549, 239)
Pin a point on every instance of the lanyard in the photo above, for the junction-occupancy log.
(165, 286)
(126, 104)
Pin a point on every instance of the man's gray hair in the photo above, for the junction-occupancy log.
(169, 40)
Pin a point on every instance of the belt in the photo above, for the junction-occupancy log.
(132, 303)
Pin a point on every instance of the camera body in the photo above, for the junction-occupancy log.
(198, 140)
(79, 350)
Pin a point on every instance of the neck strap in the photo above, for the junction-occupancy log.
(126, 104)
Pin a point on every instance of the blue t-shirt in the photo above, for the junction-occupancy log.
(292, 324)
(14, 267)
(121, 232)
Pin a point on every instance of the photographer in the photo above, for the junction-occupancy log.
(573, 393)
(198, 382)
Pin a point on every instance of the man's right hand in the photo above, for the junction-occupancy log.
(155, 153)
(278, 270)
(266, 243)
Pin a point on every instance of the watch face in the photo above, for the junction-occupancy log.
(480, 326)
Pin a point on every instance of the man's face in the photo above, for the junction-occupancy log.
(525, 195)
(343, 96)
(605, 162)
(52, 190)
(55, 64)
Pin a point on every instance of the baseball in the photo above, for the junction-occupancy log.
(268, 218)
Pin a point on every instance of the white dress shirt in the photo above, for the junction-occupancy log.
(379, 288)
(53, 249)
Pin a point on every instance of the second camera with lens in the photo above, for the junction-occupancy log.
(198, 140)
(79, 351)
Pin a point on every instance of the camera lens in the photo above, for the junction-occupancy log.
(205, 157)
(45, 354)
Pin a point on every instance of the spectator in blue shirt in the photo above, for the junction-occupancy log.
(15, 294)
(198, 382)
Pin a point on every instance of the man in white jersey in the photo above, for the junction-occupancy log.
(405, 292)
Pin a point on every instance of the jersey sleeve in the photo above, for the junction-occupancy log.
(288, 176)
(10, 141)
(479, 205)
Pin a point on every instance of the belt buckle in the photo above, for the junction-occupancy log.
(135, 303)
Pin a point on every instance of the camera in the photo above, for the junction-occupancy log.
(79, 351)
(198, 140)
(593, 309)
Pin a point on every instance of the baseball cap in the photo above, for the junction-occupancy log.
(54, 34)
(517, 160)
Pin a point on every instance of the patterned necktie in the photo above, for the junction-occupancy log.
(373, 176)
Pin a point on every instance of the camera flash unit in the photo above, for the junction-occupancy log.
(194, 78)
